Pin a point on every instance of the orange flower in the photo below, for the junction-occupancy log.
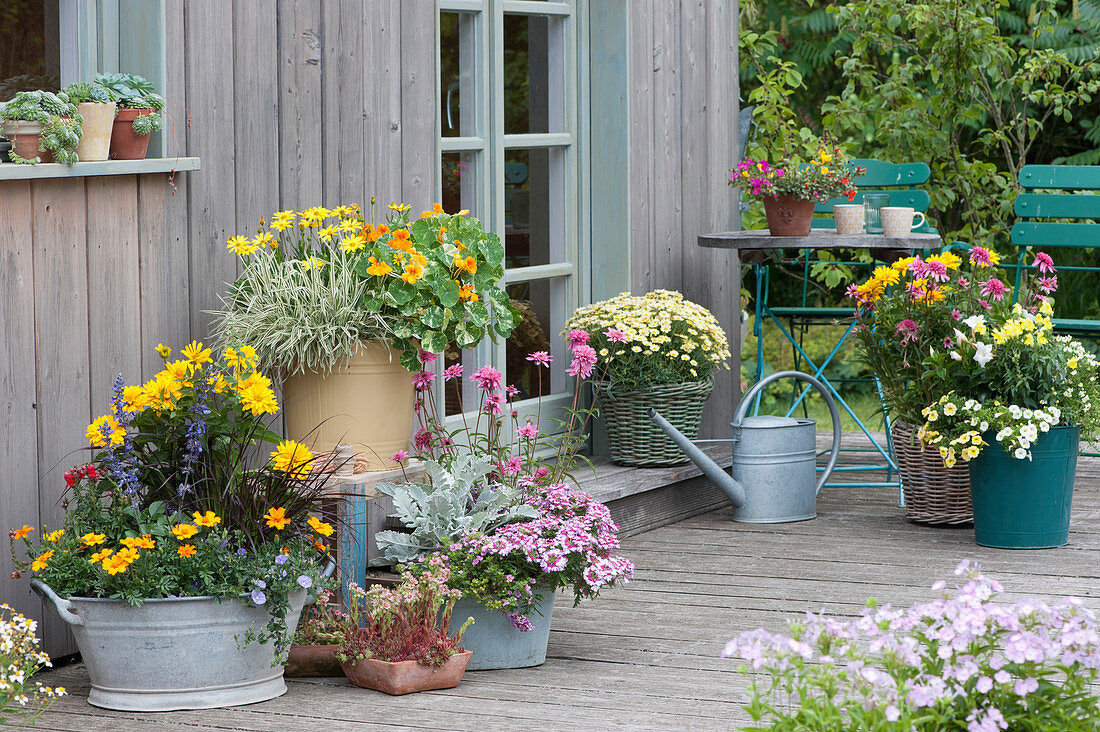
(442, 231)
(413, 272)
(466, 292)
(186, 551)
(100, 556)
(276, 518)
(184, 531)
(322, 528)
(20, 533)
(469, 264)
(321, 546)
(435, 211)
(379, 232)
(139, 542)
(41, 561)
(377, 268)
(401, 240)
(209, 519)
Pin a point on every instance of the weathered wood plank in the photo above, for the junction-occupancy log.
(342, 72)
(255, 111)
(114, 302)
(165, 285)
(382, 128)
(419, 103)
(212, 201)
(299, 103)
(18, 447)
(667, 97)
(641, 142)
(62, 352)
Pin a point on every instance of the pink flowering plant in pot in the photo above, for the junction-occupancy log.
(964, 660)
(499, 515)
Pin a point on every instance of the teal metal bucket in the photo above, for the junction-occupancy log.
(496, 643)
(1022, 504)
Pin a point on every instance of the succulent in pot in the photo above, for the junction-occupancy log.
(139, 108)
(43, 127)
(96, 106)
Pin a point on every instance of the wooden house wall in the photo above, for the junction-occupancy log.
(683, 141)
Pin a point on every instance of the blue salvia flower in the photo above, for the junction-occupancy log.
(196, 431)
(121, 461)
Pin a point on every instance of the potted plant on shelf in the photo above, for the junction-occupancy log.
(502, 518)
(43, 127)
(793, 185)
(399, 640)
(339, 308)
(139, 108)
(186, 552)
(317, 639)
(96, 108)
(658, 350)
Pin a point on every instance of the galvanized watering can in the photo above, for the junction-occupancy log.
(774, 459)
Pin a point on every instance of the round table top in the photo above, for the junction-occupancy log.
(757, 239)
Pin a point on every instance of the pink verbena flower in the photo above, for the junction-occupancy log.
(577, 337)
(584, 358)
(452, 372)
(542, 358)
(994, 289)
(614, 335)
(487, 378)
(1044, 263)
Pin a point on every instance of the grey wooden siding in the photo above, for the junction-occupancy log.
(289, 103)
(683, 140)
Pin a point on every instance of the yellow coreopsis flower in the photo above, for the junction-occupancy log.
(178, 370)
(312, 263)
(134, 399)
(399, 207)
(326, 234)
(253, 378)
(105, 432)
(163, 390)
(292, 457)
(349, 225)
(354, 243)
(196, 354)
(265, 239)
(887, 275)
(902, 265)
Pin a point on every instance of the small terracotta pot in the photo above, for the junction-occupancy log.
(24, 137)
(403, 677)
(313, 661)
(125, 143)
(788, 216)
(99, 118)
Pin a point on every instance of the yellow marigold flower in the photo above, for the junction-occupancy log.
(164, 351)
(21, 533)
(322, 528)
(276, 518)
(240, 245)
(186, 551)
(378, 269)
(128, 553)
(134, 399)
(91, 539)
(435, 210)
(183, 532)
(55, 535)
(138, 542)
(207, 519)
(196, 354)
(399, 207)
(292, 457)
(106, 432)
(100, 556)
(41, 561)
(258, 399)
(116, 563)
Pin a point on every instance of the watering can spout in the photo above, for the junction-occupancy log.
(734, 490)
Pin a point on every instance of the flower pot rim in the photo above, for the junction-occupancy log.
(459, 651)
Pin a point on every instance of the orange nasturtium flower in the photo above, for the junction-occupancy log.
(319, 526)
(186, 551)
(41, 561)
(207, 519)
(377, 268)
(20, 533)
(435, 211)
(184, 531)
(276, 518)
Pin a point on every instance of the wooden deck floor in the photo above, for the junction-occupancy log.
(646, 656)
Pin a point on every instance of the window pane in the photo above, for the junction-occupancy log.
(534, 206)
(541, 304)
(460, 183)
(30, 48)
(457, 77)
(534, 74)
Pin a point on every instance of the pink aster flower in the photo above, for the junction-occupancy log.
(423, 379)
(584, 358)
(487, 378)
(614, 335)
(1044, 263)
(994, 289)
(577, 337)
(452, 372)
(542, 358)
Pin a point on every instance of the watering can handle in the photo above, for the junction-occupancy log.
(743, 407)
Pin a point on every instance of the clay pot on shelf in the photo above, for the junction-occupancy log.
(125, 143)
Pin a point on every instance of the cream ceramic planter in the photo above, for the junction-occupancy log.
(99, 119)
(365, 402)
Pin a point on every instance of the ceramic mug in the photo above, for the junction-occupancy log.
(848, 218)
(897, 221)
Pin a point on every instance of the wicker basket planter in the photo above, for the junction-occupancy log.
(634, 438)
(933, 494)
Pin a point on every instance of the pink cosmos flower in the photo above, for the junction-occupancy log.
(614, 335)
(542, 358)
(423, 379)
(528, 431)
(577, 337)
(1044, 263)
(994, 289)
(399, 456)
(1048, 284)
(452, 372)
(584, 358)
(487, 378)
(426, 358)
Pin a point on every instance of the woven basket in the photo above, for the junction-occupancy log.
(933, 494)
(635, 439)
